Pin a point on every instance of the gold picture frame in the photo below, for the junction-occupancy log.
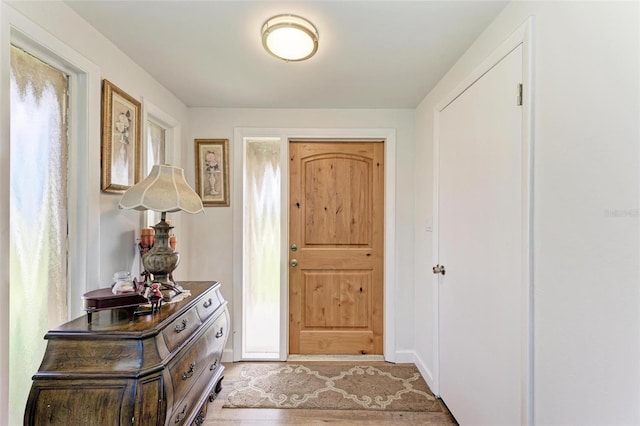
(212, 171)
(121, 134)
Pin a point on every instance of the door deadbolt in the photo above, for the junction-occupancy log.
(294, 247)
(439, 269)
(293, 263)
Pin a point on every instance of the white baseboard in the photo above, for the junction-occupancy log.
(405, 357)
(227, 355)
(426, 373)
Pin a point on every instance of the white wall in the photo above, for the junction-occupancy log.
(117, 227)
(586, 220)
(115, 230)
(211, 257)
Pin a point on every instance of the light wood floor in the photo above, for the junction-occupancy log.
(216, 415)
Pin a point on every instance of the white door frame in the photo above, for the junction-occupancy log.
(523, 35)
(388, 135)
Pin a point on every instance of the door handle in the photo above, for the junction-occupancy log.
(439, 269)
(293, 262)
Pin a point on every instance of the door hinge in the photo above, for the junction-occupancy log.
(519, 98)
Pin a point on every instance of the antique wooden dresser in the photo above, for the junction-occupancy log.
(159, 369)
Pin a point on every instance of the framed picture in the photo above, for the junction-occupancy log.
(121, 132)
(212, 171)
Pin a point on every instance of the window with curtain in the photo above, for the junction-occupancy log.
(155, 153)
(38, 208)
(262, 234)
(155, 145)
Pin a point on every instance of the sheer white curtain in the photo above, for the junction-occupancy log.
(156, 135)
(38, 208)
(155, 154)
(262, 234)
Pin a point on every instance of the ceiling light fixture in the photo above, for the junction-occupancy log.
(290, 37)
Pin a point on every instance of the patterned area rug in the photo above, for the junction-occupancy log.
(334, 386)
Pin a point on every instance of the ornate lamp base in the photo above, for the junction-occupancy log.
(161, 260)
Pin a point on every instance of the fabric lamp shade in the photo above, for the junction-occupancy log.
(164, 190)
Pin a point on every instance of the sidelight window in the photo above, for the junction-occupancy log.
(39, 212)
(261, 245)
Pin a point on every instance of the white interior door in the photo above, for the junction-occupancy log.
(480, 237)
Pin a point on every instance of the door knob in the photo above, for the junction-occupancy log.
(293, 263)
(439, 269)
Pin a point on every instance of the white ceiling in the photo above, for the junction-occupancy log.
(372, 54)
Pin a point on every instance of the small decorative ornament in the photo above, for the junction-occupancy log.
(122, 283)
(155, 297)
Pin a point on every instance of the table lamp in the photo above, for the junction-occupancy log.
(165, 190)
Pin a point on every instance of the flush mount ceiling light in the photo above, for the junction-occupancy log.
(290, 37)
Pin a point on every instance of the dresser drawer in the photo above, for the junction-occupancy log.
(181, 329)
(199, 357)
(216, 341)
(210, 302)
(194, 371)
(186, 370)
(220, 328)
(182, 411)
(189, 407)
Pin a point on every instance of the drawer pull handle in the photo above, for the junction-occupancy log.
(189, 373)
(180, 328)
(180, 417)
(207, 303)
(214, 365)
(219, 334)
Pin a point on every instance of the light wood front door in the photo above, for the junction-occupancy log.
(336, 218)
